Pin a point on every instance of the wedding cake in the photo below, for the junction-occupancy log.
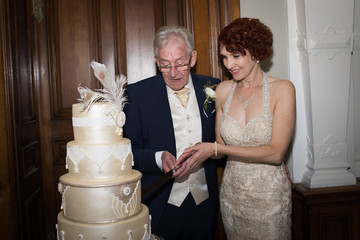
(101, 193)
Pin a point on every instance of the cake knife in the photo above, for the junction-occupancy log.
(160, 181)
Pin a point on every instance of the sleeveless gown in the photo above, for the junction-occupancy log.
(255, 199)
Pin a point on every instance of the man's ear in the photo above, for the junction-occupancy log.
(157, 61)
(193, 58)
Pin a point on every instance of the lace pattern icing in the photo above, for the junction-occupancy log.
(98, 155)
(63, 199)
(255, 199)
(124, 201)
(90, 122)
(128, 206)
(147, 235)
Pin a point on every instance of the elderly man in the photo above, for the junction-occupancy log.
(160, 125)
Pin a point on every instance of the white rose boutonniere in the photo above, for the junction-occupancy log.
(210, 95)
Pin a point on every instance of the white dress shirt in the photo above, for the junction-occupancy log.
(188, 131)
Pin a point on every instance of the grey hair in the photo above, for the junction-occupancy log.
(163, 34)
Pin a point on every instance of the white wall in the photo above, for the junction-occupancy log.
(273, 13)
(311, 48)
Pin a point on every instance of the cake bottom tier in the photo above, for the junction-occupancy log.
(136, 227)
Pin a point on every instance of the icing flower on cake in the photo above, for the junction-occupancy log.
(210, 95)
(112, 92)
(126, 191)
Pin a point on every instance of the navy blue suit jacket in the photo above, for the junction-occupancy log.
(149, 127)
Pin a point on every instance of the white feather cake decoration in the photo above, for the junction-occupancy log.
(112, 92)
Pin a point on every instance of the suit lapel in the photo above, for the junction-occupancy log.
(164, 116)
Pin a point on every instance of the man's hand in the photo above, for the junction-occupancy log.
(182, 168)
(168, 161)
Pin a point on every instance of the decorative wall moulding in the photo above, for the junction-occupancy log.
(301, 44)
(331, 153)
(357, 167)
(356, 43)
(310, 150)
(331, 150)
(330, 42)
(329, 39)
(329, 166)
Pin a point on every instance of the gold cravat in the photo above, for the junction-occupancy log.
(183, 96)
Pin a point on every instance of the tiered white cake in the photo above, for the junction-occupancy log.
(101, 193)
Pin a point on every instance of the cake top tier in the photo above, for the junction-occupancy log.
(98, 124)
(112, 93)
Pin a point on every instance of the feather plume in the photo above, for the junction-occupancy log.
(113, 92)
(88, 97)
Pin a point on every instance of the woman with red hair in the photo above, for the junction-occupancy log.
(255, 119)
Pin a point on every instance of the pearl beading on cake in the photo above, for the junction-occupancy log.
(147, 234)
(62, 235)
(130, 233)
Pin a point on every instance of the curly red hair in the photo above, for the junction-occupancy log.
(247, 34)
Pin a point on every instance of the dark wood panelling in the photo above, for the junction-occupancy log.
(25, 96)
(140, 32)
(72, 49)
(171, 10)
(8, 225)
(167, 12)
(330, 213)
(24, 125)
(59, 163)
(200, 29)
(336, 227)
(30, 158)
(229, 10)
(44, 61)
(214, 30)
(34, 213)
(59, 151)
(120, 37)
(106, 43)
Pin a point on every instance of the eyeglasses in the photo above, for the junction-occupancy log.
(179, 67)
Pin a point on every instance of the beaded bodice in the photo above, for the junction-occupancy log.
(256, 132)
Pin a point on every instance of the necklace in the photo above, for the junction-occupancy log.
(246, 103)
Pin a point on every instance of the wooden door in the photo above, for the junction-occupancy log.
(47, 55)
(23, 181)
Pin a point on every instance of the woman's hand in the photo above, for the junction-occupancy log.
(196, 154)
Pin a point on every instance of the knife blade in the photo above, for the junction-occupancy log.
(160, 181)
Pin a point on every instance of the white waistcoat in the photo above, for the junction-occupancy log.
(187, 128)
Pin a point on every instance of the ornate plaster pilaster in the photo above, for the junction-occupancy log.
(327, 165)
(356, 87)
(327, 51)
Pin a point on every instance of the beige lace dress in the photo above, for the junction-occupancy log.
(255, 199)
